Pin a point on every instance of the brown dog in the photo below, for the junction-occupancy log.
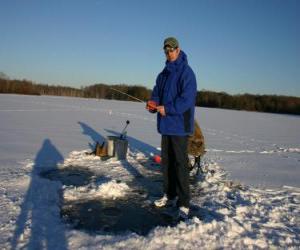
(196, 145)
(196, 148)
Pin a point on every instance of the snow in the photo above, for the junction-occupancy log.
(249, 196)
(109, 190)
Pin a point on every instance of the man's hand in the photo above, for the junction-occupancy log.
(161, 110)
(151, 106)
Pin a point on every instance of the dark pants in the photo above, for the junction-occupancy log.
(175, 168)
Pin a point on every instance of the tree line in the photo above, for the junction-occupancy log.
(249, 102)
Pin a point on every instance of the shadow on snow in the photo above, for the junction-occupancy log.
(37, 212)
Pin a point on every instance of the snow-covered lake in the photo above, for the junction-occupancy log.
(257, 203)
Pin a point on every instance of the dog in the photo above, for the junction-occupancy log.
(196, 147)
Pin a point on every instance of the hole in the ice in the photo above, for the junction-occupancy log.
(114, 216)
(71, 176)
(111, 211)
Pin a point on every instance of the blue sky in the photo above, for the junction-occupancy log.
(236, 46)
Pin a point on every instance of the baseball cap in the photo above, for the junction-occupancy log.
(171, 42)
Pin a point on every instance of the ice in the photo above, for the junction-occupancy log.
(249, 196)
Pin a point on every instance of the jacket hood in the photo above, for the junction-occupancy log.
(179, 62)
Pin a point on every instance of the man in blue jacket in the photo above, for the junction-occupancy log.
(173, 97)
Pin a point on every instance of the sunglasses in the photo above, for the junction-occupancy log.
(168, 50)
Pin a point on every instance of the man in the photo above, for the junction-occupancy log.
(173, 97)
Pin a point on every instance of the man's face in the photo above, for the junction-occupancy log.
(171, 53)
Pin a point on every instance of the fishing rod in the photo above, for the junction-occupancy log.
(148, 104)
(127, 94)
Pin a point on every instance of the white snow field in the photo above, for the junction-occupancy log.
(248, 197)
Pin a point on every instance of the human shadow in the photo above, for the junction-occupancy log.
(93, 134)
(39, 213)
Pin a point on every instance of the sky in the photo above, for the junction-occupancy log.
(235, 46)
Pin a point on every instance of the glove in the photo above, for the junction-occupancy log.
(151, 106)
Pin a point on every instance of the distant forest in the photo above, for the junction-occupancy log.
(249, 102)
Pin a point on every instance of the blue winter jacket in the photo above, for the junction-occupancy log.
(176, 90)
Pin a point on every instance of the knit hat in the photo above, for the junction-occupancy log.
(171, 42)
